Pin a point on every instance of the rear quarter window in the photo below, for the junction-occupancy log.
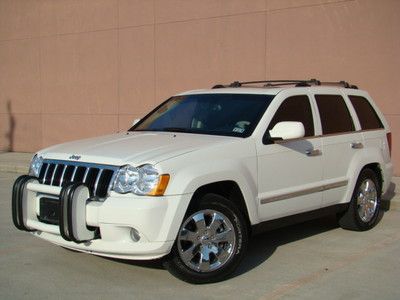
(366, 113)
(335, 117)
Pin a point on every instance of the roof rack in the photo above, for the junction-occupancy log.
(276, 83)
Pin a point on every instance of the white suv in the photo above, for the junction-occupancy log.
(205, 169)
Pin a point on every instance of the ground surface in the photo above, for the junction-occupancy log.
(313, 260)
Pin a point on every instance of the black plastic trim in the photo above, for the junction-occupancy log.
(16, 202)
(298, 218)
(65, 218)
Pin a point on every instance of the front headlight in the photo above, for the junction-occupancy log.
(36, 165)
(143, 180)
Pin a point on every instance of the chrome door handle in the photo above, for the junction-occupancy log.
(357, 145)
(313, 152)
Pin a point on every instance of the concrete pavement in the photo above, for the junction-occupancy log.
(16, 162)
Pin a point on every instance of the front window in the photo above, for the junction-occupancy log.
(217, 114)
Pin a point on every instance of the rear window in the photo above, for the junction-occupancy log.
(335, 117)
(365, 113)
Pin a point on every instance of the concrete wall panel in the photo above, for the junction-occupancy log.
(182, 10)
(80, 73)
(222, 50)
(125, 121)
(285, 4)
(136, 70)
(20, 76)
(20, 132)
(73, 16)
(19, 19)
(60, 128)
(136, 12)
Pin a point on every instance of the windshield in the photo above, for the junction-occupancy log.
(218, 114)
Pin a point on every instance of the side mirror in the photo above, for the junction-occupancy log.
(135, 122)
(287, 130)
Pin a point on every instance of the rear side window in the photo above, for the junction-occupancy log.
(366, 113)
(335, 117)
(296, 108)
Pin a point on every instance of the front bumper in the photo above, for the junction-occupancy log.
(155, 219)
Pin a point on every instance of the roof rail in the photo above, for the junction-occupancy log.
(342, 83)
(276, 83)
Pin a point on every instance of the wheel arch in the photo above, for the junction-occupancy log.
(228, 189)
(366, 159)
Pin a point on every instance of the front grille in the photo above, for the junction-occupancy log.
(97, 177)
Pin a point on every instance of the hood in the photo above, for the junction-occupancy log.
(134, 148)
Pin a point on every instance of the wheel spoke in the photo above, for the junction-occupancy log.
(225, 236)
(188, 254)
(187, 235)
(216, 222)
(366, 188)
(200, 222)
(204, 264)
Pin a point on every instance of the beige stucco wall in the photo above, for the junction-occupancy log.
(74, 69)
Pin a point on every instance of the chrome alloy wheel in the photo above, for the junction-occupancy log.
(367, 200)
(206, 241)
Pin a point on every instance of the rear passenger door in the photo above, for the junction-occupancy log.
(290, 171)
(340, 143)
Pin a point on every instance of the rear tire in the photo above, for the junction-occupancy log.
(211, 242)
(362, 213)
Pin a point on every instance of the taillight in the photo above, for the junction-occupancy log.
(389, 140)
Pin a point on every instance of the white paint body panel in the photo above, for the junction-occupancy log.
(261, 172)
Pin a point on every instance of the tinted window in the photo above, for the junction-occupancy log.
(335, 116)
(218, 114)
(366, 113)
(297, 109)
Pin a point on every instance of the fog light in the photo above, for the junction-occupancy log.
(135, 235)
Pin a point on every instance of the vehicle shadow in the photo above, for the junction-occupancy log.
(263, 246)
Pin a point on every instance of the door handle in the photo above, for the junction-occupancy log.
(313, 152)
(357, 145)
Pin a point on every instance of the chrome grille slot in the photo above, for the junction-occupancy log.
(97, 177)
(49, 174)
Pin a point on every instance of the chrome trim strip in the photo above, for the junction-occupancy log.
(305, 192)
(86, 173)
(97, 181)
(45, 173)
(74, 173)
(113, 177)
(54, 173)
(62, 175)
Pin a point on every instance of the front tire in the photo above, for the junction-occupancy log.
(362, 213)
(211, 241)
